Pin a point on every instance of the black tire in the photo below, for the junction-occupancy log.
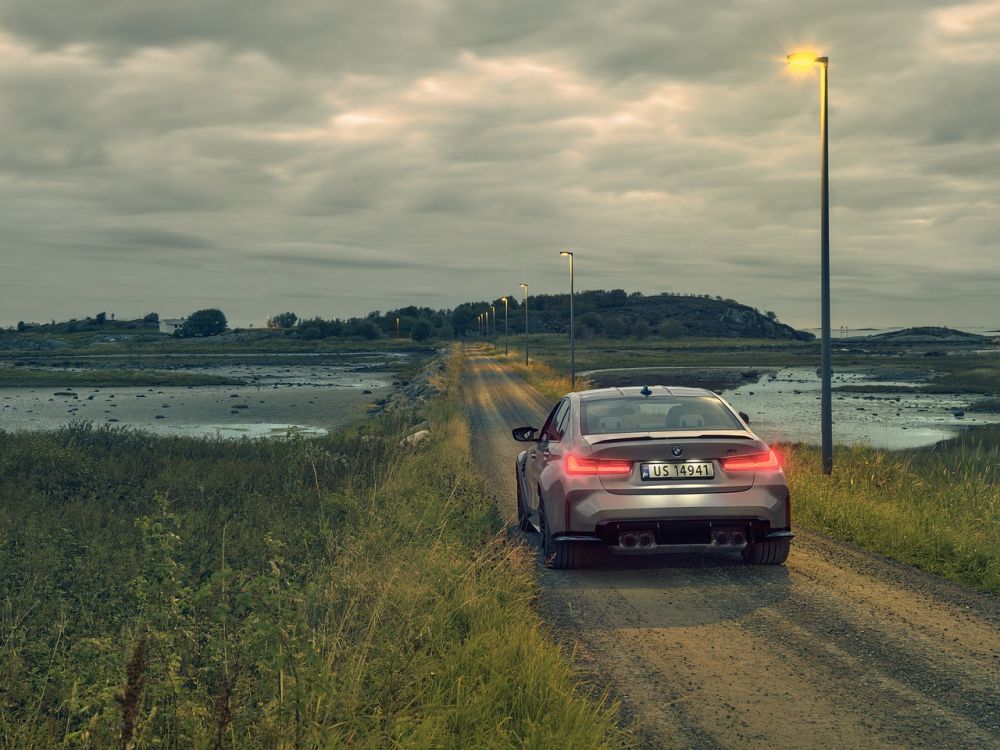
(773, 552)
(559, 555)
(523, 522)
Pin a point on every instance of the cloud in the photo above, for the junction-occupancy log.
(351, 155)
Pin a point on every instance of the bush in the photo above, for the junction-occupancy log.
(640, 329)
(614, 327)
(284, 320)
(421, 330)
(210, 322)
(669, 328)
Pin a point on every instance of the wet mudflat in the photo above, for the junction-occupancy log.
(278, 398)
(784, 406)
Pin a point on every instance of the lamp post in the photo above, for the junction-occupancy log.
(494, 309)
(808, 60)
(397, 328)
(572, 331)
(525, 288)
(506, 348)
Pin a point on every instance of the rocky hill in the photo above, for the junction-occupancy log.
(929, 335)
(615, 313)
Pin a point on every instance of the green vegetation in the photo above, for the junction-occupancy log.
(346, 591)
(937, 508)
(29, 378)
(202, 323)
(986, 404)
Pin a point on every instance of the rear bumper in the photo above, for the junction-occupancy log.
(764, 507)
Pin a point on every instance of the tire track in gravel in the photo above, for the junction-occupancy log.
(841, 648)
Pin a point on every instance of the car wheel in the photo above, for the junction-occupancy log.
(560, 555)
(523, 522)
(773, 552)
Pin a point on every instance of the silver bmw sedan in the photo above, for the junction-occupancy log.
(648, 470)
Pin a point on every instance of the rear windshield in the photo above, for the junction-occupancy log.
(654, 414)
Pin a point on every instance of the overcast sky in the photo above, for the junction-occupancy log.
(330, 157)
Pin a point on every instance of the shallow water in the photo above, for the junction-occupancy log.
(785, 405)
(304, 399)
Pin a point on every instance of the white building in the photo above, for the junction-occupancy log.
(169, 325)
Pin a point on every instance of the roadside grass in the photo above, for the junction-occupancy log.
(304, 593)
(19, 377)
(936, 508)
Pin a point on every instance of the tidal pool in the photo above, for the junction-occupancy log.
(784, 406)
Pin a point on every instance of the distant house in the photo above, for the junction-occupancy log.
(169, 325)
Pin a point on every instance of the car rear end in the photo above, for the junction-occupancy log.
(707, 484)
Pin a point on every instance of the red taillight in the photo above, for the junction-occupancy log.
(576, 465)
(753, 462)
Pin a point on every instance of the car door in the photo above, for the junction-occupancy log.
(538, 455)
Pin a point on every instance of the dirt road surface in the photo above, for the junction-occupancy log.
(838, 649)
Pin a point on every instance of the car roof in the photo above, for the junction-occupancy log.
(636, 392)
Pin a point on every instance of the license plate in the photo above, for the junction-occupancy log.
(687, 470)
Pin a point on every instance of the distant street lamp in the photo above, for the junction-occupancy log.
(506, 348)
(397, 328)
(525, 288)
(808, 60)
(572, 332)
(494, 309)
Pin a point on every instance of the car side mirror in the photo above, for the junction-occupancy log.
(744, 417)
(524, 434)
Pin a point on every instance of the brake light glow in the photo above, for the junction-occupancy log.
(753, 462)
(575, 465)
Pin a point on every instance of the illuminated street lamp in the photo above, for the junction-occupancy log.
(494, 309)
(808, 60)
(506, 348)
(572, 332)
(525, 288)
(397, 328)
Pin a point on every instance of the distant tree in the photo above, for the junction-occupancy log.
(772, 315)
(366, 329)
(153, 318)
(670, 328)
(593, 321)
(284, 320)
(21, 325)
(421, 330)
(101, 318)
(640, 329)
(614, 327)
(317, 328)
(210, 322)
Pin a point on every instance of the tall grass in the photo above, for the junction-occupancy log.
(181, 593)
(937, 508)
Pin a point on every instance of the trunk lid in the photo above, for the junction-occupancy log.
(661, 447)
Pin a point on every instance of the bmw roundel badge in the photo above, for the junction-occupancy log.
(677, 450)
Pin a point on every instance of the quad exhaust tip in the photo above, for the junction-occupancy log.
(632, 539)
(724, 538)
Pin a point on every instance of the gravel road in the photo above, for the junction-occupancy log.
(839, 649)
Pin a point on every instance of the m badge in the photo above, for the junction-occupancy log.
(677, 450)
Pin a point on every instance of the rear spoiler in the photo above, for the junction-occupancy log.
(670, 436)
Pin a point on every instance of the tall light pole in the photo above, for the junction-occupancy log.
(525, 288)
(397, 328)
(494, 309)
(808, 60)
(572, 331)
(506, 348)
